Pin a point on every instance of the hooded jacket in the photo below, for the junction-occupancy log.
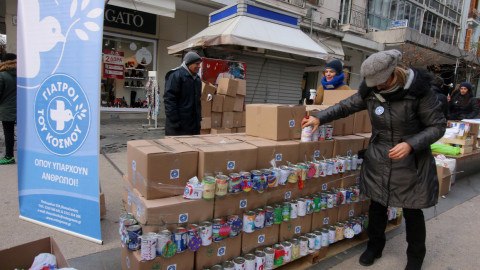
(8, 91)
(182, 102)
(463, 107)
(415, 118)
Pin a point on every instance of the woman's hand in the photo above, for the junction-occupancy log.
(400, 151)
(311, 121)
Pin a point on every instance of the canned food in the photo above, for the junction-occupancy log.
(330, 165)
(133, 234)
(259, 218)
(279, 253)
(309, 205)
(303, 246)
(269, 216)
(318, 239)
(216, 267)
(283, 175)
(341, 165)
(293, 176)
(269, 257)
(302, 207)
(194, 240)
(235, 224)
(228, 265)
(222, 186)
(331, 234)
(287, 248)
(295, 248)
(306, 135)
(260, 260)
(316, 203)
(209, 184)
(322, 131)
(246, 181)
(249, 221)
(318, 169)
(148, 246)
(180, 239)
(258, 180)
(311, 170)
(286, 211)
(249, 261)
(272, 179)
(311, 242)
(325, 234)
(239, 263)
(216, 226)
(234, 183)
(335, 166)
(302, 175)
(206, 232)
(293, 209)
(339, 231)
(123, 217)
(162, 238)
(277, 214)
(329, 132)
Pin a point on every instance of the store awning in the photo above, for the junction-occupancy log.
(163, 8)
(331, 44)
(253, 32)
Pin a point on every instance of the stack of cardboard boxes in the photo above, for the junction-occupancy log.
(224, 113)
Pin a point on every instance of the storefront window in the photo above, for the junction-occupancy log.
(125, 65)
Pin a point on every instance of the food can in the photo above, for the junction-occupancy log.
(354, 162)
(124, 216)
(206, 232)
(348, 166)
(330, 200)
(269, 216)
(330, 165)
(303, 246)
(306, 135)
(325, 234)
(316, 203)
(328, 132)
(287, 248)
(162, 238)
(222, 185)
(246, 184)
(318, 239)
(216, 267)
(302, 207)
(209, 184)
(279, 253)
(323, 201)
(133, 234)
(335, 165)
(318, 169)
(342, 163)
(323, 168)
(148, 246)
(123, 227)
(322, 131)
(216, 226)
(249, 261)
(249, 221)
(311, 242)
(239, 263)
(193, 233)
(235, 224)
(316, 135)
(331, 234)
(310, 205)
(339, 231)
(180, 238)
(293, 209)
(359, 163)
(269, 258)
(286, 211)
(272, 178)
(311, 170)
(277, 214)
(355, 194)
(283, 175)
(228, 265)
(302, 173)
(234, 183)
(260, 260)
(293, 176)
(295, 248)
(259, 218)
(258, 180)
(348, 195)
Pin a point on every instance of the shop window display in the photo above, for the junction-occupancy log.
(126, 63)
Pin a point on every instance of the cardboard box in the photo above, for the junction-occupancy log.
(444, 176)
(206, 108)
(225, 250)
(205, 131)
(220, 131)
(241, 130)
(350, 180)
(281, 152)
(207, 89)
(242, 87)
(335, 96)
(282, 193)
(295, 227)
(103, 208)
(237, 119)
(319, 150)
(343, 126)
(345, 145)
(346, 211)
(216, 120)
(228, 104)
(178, 164)
(206, 123)
(324, 218)
(244, 119)
(367, 137)
(227, 87)
(237, 204)
(264, 237)
(362, 123)
(239, 101)
(233, 130)
(227, 120)
(132, 260)
(22, 256)
(217, 103)
(274, 121)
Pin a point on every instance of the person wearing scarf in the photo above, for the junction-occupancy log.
(398, 166)
(463, 105)
(333, 79)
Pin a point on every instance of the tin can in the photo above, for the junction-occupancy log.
(295, 248)
(302, 174)
(123, 216)
(331, 234)
(348, 195)
(209, 184)
(354, 162)
(348, 166)
(260, 260)
(125, 224)
(339, 231)
(322, 168)
(249, 221)
(328, 132)
(293, 209)
(335, 165)
(228, 265)
(234, 183)
(269, 258)
(162, 238)
(330, 200)
(277, 214)
(302, 207)
(330, 165)
(235, 225)
(303, 246)
(259, 218)
(206, 232)
(322, 131)
(318, 239)
(323, 201)
(316, 135)
(246, 184)
(355, 194)
(306, 135)
(272, 179)
(325, 234)
(311, 170)
(342, 163)
(269, 216)
(221, 188)
(216, 267)
(316, 203)
(193, 232)
(249, 261)
(239, 263)
(318, 169)
(133, 234)
(287, 248)
(279, 253)
(283, 175)
(148, 246)
(293, 175)
(286, 211)
(180, 239)
(310, 205)
(258, 180)
(216, 226)
(311, 242)
(359, 163)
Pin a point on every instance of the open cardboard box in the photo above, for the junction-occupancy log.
(22, 256)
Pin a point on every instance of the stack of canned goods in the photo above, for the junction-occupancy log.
(323, 132)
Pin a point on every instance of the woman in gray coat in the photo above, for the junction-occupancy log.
(399, 169)
(8, 104)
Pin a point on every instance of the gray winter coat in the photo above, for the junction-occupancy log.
(413, 117)
(8, 91)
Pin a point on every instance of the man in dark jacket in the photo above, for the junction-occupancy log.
(463, 105)
(437, 88)
(8, 104)
(182, 97)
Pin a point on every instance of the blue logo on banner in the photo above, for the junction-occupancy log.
(231, 165)
(297, 229)
(62, 114)
(221, 251)
(261, 238)
(174, 174)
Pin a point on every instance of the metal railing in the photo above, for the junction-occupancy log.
(298, 3)
(474, 14)
(354, 16)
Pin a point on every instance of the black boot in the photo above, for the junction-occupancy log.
(377, 223)
(416, 235)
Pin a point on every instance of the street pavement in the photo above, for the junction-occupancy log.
(453, 232)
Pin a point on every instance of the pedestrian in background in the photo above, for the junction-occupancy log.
(333, 79)
(441, 94)
(182, 97)
(462, 104)
(8, 104)
(398, 168)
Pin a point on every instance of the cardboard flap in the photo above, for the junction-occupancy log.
(334, 96)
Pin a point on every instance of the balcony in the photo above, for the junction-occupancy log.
(473, 18)
(353, 19)
(296, 7)
(297, 3)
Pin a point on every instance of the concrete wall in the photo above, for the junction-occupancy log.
(355, 59)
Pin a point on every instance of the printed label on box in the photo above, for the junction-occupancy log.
(172, 267)
(357, 180)
(298, 229)
(325, 220)
(128, 262)
(278, 157)
(351, 213)
(174, 174)
(243, 204)
(317, 153)
(291, 123)
(349, 153)
(139, 211)
(134, 165)
(261, 238)
(324, 187)
(231, 165)
(129, 200)
(221, 251)
(182, 218)
(288, 194)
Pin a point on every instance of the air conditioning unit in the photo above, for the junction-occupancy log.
(332, 23)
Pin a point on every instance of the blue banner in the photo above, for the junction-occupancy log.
(58, 79)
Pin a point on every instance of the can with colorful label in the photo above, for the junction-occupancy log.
(328, 132)
(269, 216)
(221, 188)
(303, 246)
(322, 130)
(293, 209)
(133, 234)
(258, 181)
(269, 258)
(148, 246)
(342, 163)
(316, 203)
(260, 260)
(318, 239)
(330, 165)
(354, 163)
(323, 169)
(310, 205)
(286, 211)
(239, 263)
(295, 248)
(311, 242)
(249, 221)
(272, 178)
(209, 184)
(246, 184)
(283, 175)
(331, 234)
(216, 226)
(235, 224)
(293, 176)
(335, 165)
(277, 214)
(259, 218)
(162, 238)
(330, 200)
(302, 174)
(249, 261)
(323, 201)
(287, 248)
(206, 233)
(279, 253)
(348, 166)
(180, 238)
(306, 135)
(325, 234)
(234, 183)
(311, 170)
(318, 169)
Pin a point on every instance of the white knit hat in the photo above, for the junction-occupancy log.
(379, 66)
